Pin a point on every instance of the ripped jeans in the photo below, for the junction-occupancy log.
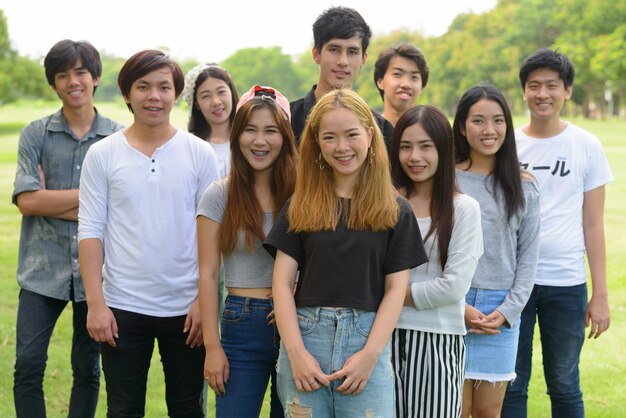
(332, 336)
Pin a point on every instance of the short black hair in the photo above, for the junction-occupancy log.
(64, 54)
(145, 62)
(407, 51)
(547, 58)
(342, 23)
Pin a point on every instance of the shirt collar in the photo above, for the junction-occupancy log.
(58, 123)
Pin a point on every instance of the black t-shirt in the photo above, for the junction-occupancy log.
(345, 267)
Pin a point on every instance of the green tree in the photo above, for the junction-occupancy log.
(6, 57)
(20, 77)
(264, 66)
(108, 89)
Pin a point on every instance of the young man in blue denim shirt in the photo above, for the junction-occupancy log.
(50, 156)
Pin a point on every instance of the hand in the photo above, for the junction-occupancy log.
(193, 326)
(356, 372)
(472, 314)
(598, 316)
(479, 323)
(271, 318)
(216, 369)
(490, 324)
(101, 324)
(307, 372)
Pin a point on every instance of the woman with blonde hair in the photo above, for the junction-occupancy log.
(353, 241)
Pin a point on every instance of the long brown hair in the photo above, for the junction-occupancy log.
(315, 205)
(243, 212)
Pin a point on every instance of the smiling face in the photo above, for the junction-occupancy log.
(340, 61)
(545, 94)
(214, 99)
(152, 97)
(261, 140)
(75, 86)
(344, 143)
(418, 155)
(485, 129)
(401, 84)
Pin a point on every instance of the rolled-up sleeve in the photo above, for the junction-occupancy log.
(28, 160)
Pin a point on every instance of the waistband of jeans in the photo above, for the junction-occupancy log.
(246, 301)
(336, 312)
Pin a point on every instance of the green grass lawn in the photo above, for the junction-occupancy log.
(603, 363)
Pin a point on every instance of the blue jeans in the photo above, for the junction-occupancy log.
(126, 366)
(561, 315)
(251, 347)
(332, 336)
(36, 318)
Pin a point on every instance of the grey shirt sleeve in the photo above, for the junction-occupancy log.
(213, 201)
(527, 255)
(28, 159)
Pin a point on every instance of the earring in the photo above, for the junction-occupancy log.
(320, 162)
(370, 156)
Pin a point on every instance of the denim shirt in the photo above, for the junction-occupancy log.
(48, 249)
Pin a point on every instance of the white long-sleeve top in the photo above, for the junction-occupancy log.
(143, 209)
(439, 291)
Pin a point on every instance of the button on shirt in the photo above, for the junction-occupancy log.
(48, 249)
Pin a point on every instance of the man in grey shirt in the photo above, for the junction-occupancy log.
(50, 156)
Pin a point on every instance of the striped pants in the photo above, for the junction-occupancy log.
(429, 370)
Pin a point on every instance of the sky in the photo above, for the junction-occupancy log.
(209, 30)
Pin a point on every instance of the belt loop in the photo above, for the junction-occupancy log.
(355, 313)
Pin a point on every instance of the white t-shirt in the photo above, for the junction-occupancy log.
(222, 152)
(566, 166)
(143, 209)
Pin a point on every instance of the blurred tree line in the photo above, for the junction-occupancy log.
(487, 47)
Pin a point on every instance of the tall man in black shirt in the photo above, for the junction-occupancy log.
(341, 37)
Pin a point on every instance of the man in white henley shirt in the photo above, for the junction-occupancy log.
(138, 197)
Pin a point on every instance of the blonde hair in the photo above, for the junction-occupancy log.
(315, 205)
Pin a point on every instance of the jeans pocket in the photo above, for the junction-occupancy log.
(307, 325)
(233, 313)
(364, 323)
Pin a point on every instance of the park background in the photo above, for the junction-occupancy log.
(488, 46)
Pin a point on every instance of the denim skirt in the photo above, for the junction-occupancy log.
(490, 357)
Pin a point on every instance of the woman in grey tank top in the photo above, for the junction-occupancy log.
(234, 216)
